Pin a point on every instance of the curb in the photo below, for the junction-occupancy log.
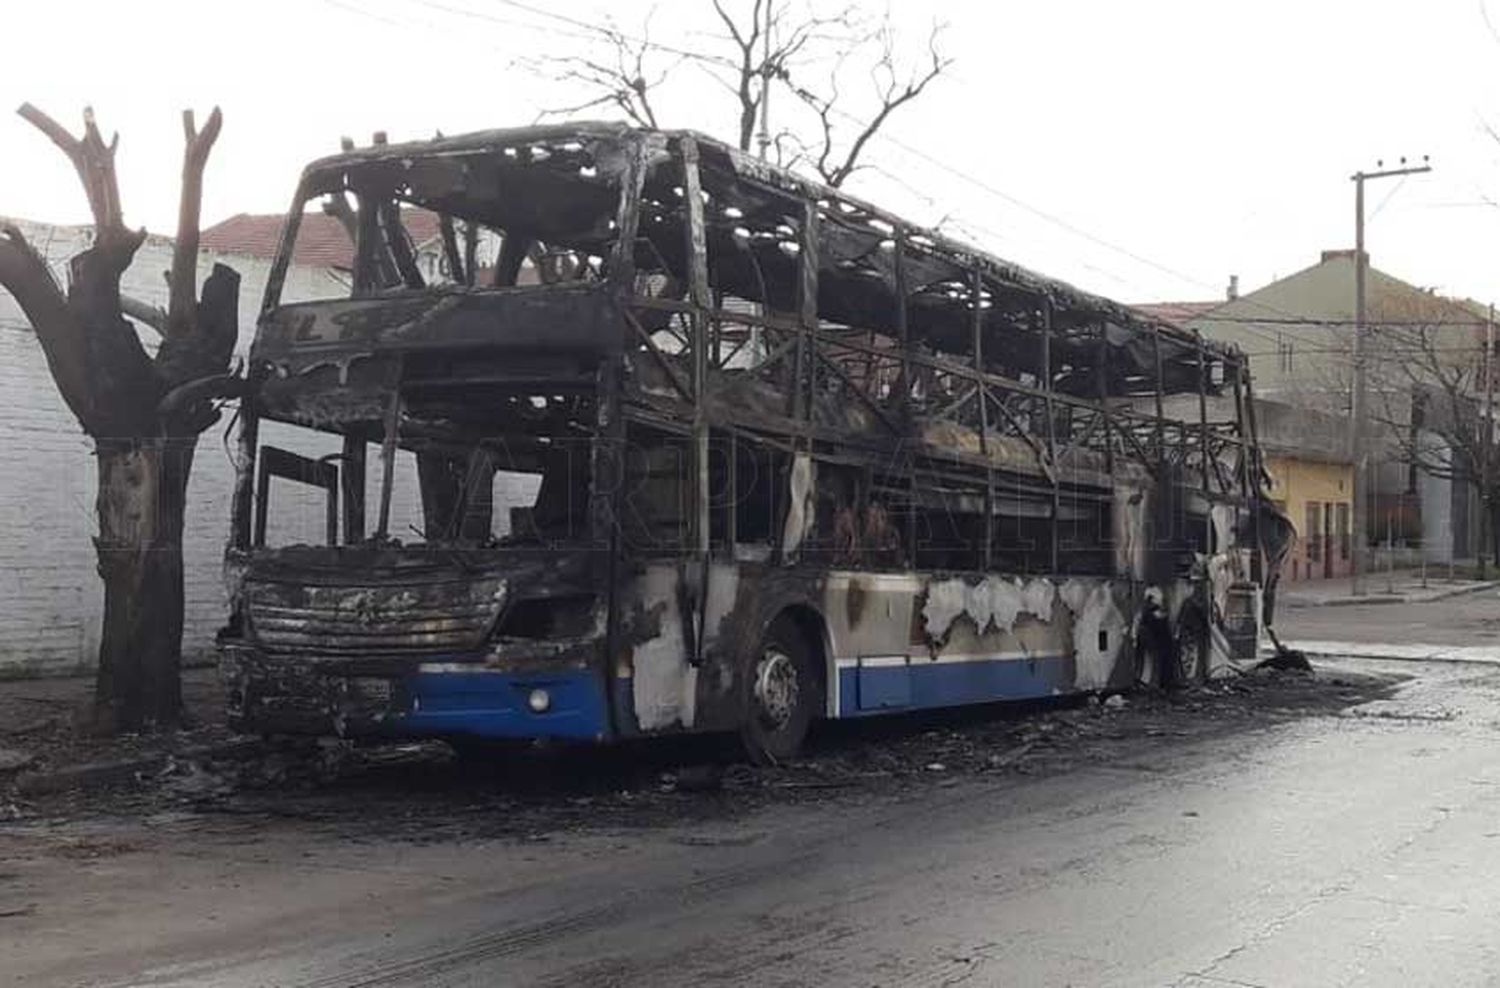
(1415, 597)
(1369, 654)
(1381, 598)
(106, 773)
(1460, 591)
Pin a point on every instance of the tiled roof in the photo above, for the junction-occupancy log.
(1177, 313)
(321, 240)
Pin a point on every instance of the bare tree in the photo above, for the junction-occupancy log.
(616, 74)
(895, 88)
(1428, 397)
(144, 412)
(754, 50)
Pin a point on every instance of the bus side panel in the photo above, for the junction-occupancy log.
(653, 683)
(659, 684)
(909, 641)
(893, 641)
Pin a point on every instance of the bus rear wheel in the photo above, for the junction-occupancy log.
(782, 695)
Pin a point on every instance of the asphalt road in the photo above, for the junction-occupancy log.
(1347, 847)
(1466, 620)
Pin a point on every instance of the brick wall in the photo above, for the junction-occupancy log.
(50, 597)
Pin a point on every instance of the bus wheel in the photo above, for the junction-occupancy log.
(783, 695)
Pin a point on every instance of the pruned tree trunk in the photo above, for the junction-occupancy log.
(141, 501)
(143, 412)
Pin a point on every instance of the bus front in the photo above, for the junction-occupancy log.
(417, 545)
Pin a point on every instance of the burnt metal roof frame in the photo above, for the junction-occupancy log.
(1072, 301)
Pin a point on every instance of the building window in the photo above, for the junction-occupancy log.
(1343, 529)
(1284, 355)
(1313, 531)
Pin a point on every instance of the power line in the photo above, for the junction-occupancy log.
(1394, 189)
(1337, 323)
(369, 13)
(593, 34)
(593, 30)
(1021, 204)
(1383, 351)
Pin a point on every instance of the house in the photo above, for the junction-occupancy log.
(1298, 331)
(1312, 482)
(322, 241)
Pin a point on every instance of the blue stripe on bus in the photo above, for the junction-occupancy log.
(494, 705)
(926, 683)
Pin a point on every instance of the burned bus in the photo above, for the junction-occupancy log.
(691, 443)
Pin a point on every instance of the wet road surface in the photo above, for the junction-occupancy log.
(1354, 846)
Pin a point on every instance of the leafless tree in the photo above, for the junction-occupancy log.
(1428, 380)
(144, 412)
(755, 50)
(834, 160)
(615, 74)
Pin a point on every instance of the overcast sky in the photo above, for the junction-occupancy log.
(1143, 149)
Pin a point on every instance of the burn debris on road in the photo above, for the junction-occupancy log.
(425, 792)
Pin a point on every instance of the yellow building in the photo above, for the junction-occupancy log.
(1317, 496)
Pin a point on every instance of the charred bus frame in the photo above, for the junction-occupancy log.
(928, 425)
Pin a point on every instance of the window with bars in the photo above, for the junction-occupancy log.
(1313, 531)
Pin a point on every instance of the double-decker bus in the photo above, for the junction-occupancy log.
(692, 443)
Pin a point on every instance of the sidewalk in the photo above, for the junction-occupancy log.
(1483, 654)
(38, 732)
(1399, 587)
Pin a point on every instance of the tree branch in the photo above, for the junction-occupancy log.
(94, 161)
(892, 99)
(182, 308)
(144, 312)
(761, 45)
(25, 274)
(99, 369)
(745, 68)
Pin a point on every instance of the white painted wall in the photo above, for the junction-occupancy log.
(1436, 497)
(51, 601)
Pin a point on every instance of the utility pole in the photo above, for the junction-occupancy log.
(765, 88)
(1358, 538)
(1486, 438)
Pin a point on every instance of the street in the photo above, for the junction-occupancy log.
(1351, 841)
(1466, 620)
(716, 515)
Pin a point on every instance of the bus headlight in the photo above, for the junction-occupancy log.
(539, 700)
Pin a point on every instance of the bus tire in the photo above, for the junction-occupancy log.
(782, 694)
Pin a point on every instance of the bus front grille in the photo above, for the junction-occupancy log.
(373, 619)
